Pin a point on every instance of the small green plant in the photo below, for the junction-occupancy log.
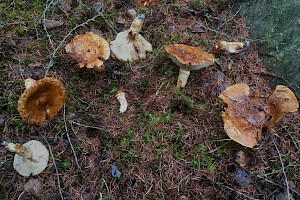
(202, 158)
(198, 2)
(66, 164)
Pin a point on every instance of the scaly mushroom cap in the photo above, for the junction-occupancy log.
(87, 48)
(43, 100)
(242, 121)
(34, 164)
(281, 101)
(188, 57)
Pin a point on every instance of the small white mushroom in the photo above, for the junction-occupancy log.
(129, 45)
(123, 102)
(31, 158)
(231, 47)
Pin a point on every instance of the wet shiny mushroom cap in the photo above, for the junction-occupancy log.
(188, 57)
(41, 101)
(242, 121)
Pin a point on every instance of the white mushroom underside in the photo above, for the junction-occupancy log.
(126, 49)
(34, 165)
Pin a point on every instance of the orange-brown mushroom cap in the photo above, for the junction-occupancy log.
(43, 100)
(281, 101)
(242, 121)
(189, 57)
(87, 48)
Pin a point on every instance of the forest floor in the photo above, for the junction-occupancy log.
(169, 144)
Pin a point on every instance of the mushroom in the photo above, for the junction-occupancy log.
(231, 47)
(129, 45)
(123, 102)
(242, 120)
(31, 158)
(88, 49)
(281, 101)
(42, 99)
(188, 58)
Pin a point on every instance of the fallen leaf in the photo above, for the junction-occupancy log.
(145, 3)
(65, 4)
(242, 158)
(34, 186)
(114, 171)
(242, 178)
(197, 28)
(284, 196)
(51, 24)
(231, 47)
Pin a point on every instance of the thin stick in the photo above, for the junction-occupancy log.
(55, 166)
(229, 188)
(43, 20)
(70, 142)
(283, 171)
(87, 126)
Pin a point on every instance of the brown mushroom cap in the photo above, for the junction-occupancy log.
(281, 101)
(188, 57)
(87, 49)
(42, 101)
(242, 120)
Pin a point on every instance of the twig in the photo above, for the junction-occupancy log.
(21, 195)
(229, 188)
(55, 166)
(70, 142)
(283, 171)
(183, 180)
(21, 70)
(87, 126)
(43, 20)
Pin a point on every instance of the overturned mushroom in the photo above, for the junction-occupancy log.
(281, 101)
(188, 58)
(231, 47)
(123, 102)
(242, 120)
(42, 99)
(31, 158)
(88, 49)
(129, 45)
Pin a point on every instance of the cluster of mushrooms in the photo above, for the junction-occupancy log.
(43, 99)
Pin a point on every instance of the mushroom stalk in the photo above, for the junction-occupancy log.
(182, 78)
(137, 24)
(123, 102)
(29, 82)
(19, 149)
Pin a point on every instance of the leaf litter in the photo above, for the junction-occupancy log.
(148, 133)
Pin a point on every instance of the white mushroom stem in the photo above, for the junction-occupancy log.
(29, 82)
(19, 149)
(182, 77)
(136, 25)
(123, 102)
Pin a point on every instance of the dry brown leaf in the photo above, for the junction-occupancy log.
(145, 3)
(34, 186)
